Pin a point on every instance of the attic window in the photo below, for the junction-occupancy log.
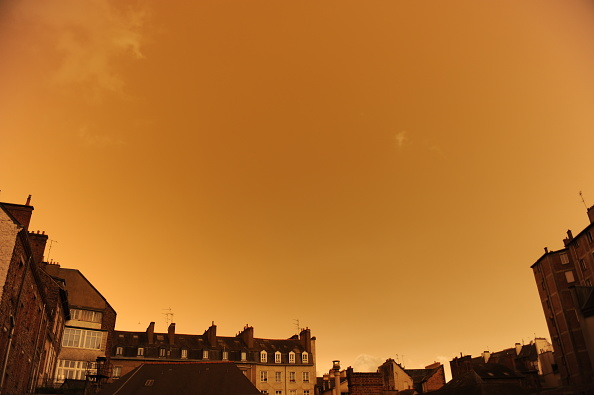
(119, 350)
(304, 357)
(149, 383)
(277, 357)
(243, 356)
(184, 353)
(291, 357)
(204, 354)
(225, 355)
(263, 356)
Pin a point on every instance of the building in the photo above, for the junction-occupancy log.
(564, 280)
(33, 305)
(189, 378)
(88, 333)
(390, 378)
(532, 364)
(274, 366)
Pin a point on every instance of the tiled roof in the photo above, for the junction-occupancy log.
(195, 378)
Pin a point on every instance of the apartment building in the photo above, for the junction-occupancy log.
(274, 366)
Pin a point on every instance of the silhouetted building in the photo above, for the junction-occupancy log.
(272, 365)
(189, 378)
(33, 305)
(564, 279)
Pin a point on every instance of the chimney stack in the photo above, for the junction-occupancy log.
(28, 201)
(305, 337)
(211, 335)
(150, 333)
(171, 333)
(247, 335)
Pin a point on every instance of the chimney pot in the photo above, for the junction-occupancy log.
(28, 201)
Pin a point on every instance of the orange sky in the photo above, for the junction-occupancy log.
(386, 172)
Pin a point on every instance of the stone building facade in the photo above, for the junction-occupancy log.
(564, 280)
(274, 366)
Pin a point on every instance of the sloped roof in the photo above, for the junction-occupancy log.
(183, 378)
(488, 371)
(471, 383)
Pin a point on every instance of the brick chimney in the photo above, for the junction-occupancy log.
(305, 338)
(38, 242)
(171, 333)
(568, 239)
(247, 336)
(211, 335)
(150, 333)
(20, 213)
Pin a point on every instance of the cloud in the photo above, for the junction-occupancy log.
(87, 37)
(400, 138)
(98, 140)
(367, 363)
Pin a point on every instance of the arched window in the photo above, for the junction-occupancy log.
(291, 357)
(304, 357)
(263, 356)
(277, 357)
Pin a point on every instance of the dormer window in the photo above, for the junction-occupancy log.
(304, 357)
(184, 353)
(291, 357)
(225, 355)
(140, 351)
(263, 356)
(277, 357)
(204, 354)
(119, 350)
(161, 352)
(243, 356)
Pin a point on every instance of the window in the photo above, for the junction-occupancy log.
(184, 354)
(82, 338)
(243, 356)
(277, 357)
(564, 258)
(292, 377)
(117, 372)
(583, 265)
(225, 355)
(140, 351)
(306, 377)
(265, 392)
(291, 357)
(263, 376)
(278, 392)
(292, 392)
(305, 392)
(204, 354)
(304, 357)
(263, 356)
(119, 350)
(86, 315)
(76, 370)
(569, 276)
(161, 352)
(278, 377)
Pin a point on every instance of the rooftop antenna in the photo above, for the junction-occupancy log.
(296, 323)
(50, 249)
(583, 201)
(168, 316)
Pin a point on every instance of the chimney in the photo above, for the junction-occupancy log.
(211, 335)
(171, 333)
(546, 250)
(486, 356)
(38, 242)
(305, 338)
(568, 239)
(28, 201)
(150, 333)
(591, 214)
(518, 348)
(21, 213)
(247, 335)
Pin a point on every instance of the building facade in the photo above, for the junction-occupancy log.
(88, 333)
(274, 366)
(564, 280)
(33, 305)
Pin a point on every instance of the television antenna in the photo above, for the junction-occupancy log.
(296, 323)
(583, 201)
(50, 249)
(168, 316)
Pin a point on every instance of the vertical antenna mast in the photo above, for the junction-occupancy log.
(583, 201)
(50, 249)
(296, 323)
(168, 317)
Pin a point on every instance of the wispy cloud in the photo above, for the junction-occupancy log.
(95, 139)
(367, 363)
(400, 138)
(88, 37)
